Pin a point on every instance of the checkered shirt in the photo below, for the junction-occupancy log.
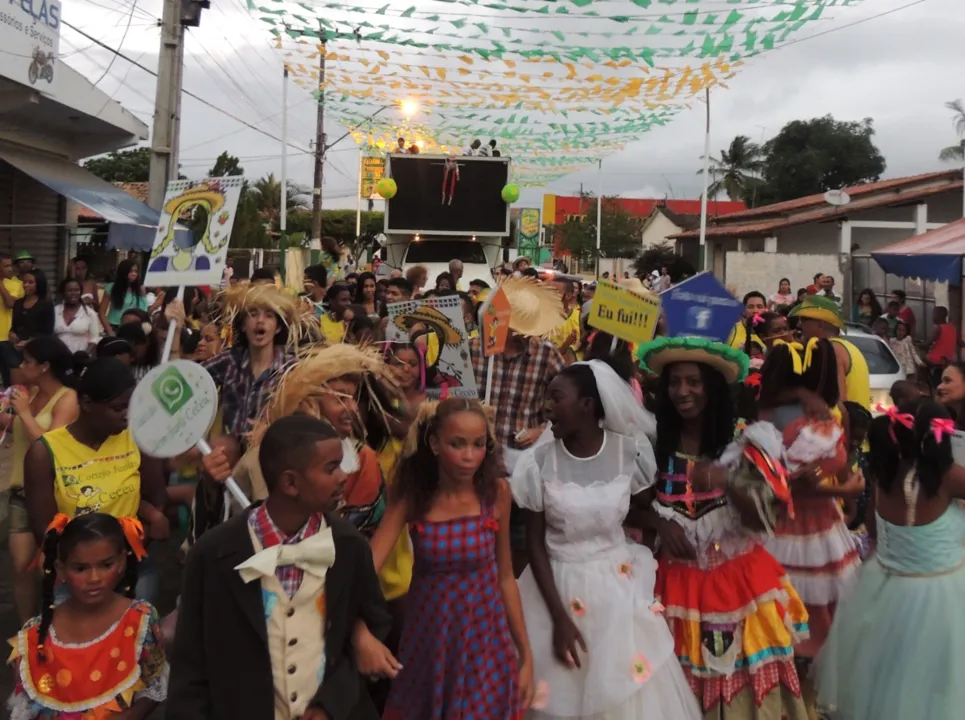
(244, 396)
(268, 534)
(519, 384)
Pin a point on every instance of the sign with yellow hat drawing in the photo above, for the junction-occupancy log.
(624, 313)
(438, 327)
(197, 258)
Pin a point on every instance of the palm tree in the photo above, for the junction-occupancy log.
(268, 190)
(956, 153)
(737, 170)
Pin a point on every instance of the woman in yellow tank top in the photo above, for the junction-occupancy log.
(46, 402)
(93, 464)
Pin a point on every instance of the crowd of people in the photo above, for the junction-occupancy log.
(676, 529)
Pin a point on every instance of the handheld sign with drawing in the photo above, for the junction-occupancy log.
(623, 313)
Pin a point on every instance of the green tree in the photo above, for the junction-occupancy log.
(124, 166)
(956, 152)
(663, 255)
(736, 173)
(268, 190)
(808, 157)
(226, 165)
(621, 234)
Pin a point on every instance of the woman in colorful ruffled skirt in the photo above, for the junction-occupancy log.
(733, 613)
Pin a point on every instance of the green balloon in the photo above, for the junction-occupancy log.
(386, 188)
(510, 194)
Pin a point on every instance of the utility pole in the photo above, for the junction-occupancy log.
(164, 162)
(176, 15)
(316, 239)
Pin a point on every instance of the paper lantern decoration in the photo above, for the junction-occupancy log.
(510, 194)
(386, 188)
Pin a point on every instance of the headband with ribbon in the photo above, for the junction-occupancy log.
(895, 416)
(800, 363)
(941, 427)
(131, 527)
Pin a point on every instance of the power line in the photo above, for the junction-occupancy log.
(190, 94)
(127, 29)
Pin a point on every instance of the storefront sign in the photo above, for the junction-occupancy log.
(623, 313)
(528, 225)
(30, 41)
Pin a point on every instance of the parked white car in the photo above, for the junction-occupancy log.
(883, 366)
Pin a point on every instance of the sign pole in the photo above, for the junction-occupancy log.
(489, 377)
(172, 328)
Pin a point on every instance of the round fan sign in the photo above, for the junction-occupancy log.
(173, 408)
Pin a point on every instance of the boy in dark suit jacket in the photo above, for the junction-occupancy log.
(270, 598)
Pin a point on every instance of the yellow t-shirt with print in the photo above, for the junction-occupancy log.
(15, 288)
(396, 573)
(333, 330)
(86, 480)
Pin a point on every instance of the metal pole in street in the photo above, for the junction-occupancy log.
(283, 207)
(703, 196)
(599, 213)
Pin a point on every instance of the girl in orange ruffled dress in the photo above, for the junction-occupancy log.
(97, 655)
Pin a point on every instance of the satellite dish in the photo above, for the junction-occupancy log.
(837, 197)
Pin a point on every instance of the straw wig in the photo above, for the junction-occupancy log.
(733, 364)
(305, 382)
(537, 308)
(295, 313)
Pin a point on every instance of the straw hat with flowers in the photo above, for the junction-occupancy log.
(537, 308)
(295, 313)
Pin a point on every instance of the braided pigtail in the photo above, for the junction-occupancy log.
(129, 582)
(51, 540)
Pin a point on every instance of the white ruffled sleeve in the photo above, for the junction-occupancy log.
(644, 468)
(527, 483)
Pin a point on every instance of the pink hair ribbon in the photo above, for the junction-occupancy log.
(941, 427)
(757, 319)
(906, 419)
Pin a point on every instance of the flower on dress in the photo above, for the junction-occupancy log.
(641, 668)
(657, 608)
(626, 569)
(577, 606)
(491, 523)
(541, 697)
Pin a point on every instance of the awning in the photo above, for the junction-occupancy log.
(935, 255)
(135, 223)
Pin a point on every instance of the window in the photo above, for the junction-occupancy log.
(880, 359)
(442, 251)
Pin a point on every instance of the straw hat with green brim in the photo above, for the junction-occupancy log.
(537, 308)
(818, 307)
(730, 362)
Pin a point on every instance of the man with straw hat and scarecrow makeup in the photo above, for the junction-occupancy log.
(820, 317)
(521, 374)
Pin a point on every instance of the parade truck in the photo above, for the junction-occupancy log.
(447, 207)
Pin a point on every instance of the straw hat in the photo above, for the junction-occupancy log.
(818, 307)
(537, 308)
(435, 319)
(304, 383)
(297, 314)
(634, 285)
(729, 362)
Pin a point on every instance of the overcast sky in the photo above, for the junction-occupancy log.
(898, 69)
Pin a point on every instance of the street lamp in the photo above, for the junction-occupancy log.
(408, 107)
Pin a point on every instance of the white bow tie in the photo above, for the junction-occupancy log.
(314, 555)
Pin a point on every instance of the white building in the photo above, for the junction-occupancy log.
(51, 117)
(754, 249)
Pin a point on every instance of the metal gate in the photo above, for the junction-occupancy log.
(866, 273)
(31, 219)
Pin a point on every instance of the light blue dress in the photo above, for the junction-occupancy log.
(896, 650)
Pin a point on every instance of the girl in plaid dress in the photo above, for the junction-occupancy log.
(464, 650)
